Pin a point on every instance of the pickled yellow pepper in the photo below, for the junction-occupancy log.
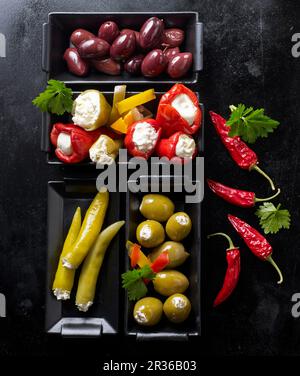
(64, 278)
(90, 228)
(92, 265)
(135, 100)
(119, 95)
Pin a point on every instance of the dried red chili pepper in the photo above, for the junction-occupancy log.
(243, 156)
(238, 197)
(256, 242)
(231, 278)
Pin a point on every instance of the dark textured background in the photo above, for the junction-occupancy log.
(247, 59)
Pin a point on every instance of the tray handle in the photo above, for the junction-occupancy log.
(45, 41)
(81, 329)
(45, 143)
(143, 337)
(198, 64)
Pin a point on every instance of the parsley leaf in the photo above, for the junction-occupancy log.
(133, 282)
(250, 124)
(56, 98)
(272, 218)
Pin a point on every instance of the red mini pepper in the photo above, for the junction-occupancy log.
(132, 147)
(170, 119)
(81, 141)
(243, 156)
(233, 258)
(238, 197)
(166, 147)
(256, 242)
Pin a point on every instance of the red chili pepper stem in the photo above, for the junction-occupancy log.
(231, 246)
(272, 262)
(260, 171)
(267, 198)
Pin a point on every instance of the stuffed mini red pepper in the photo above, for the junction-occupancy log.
(72, 143)
(142, 137)
(179, 111)
(180, 147)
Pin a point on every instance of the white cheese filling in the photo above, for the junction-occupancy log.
(145, 232)
(182, 219)
(61, 294)
(83, 307)
(144, 136)
(86, 109)
(186, 108)
(64, 143)
(185, 146)
(98, 152)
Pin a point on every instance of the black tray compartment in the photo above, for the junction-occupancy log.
(191, 268)
(49, 119)
(60, 25)
(62, 317)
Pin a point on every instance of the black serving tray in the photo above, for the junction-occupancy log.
(63, 317)
(60, 25)
(49, 119)
(191, 268)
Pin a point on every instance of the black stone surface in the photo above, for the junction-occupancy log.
(247, 56)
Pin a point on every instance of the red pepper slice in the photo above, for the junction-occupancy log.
(135, 255)
(161, 262)
(166, 147)
(170, 119)
(81, 141)
(130, 145)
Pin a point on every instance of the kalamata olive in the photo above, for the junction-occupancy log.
(108, 31)
(123, 46)
(180, 64)
(136, 33)
(171, 52)
(133, 65)
(93, 48)
(151, 33)
(80, 35)
(76, 64)
(107, 66)
(172, 37)
(154, 63)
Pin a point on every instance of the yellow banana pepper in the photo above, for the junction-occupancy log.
(92, 265)
(64, 278)
(90, 228)
(119, 95)
(135, 100)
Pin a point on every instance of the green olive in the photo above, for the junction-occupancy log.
(148, 311)
(150, 234)
(170, 282)
(178, 226)
(176, 252)
(177, 308)
(157, 207)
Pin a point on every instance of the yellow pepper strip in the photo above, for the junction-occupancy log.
(119, 95)
(64, 278)
(135, 100)
(120, 126)
(92, 265)
(90, 228)
(143, 259)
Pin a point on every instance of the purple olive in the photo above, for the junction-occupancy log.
(80, 35)
(151, 33)
(154, 63)
(172, 37)
(171, 52)
(133, 65)
(137, 36)
(108, 31)
(76, 64)
(94, 48)
(123, 46)
(107, 66)
(180, 64)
